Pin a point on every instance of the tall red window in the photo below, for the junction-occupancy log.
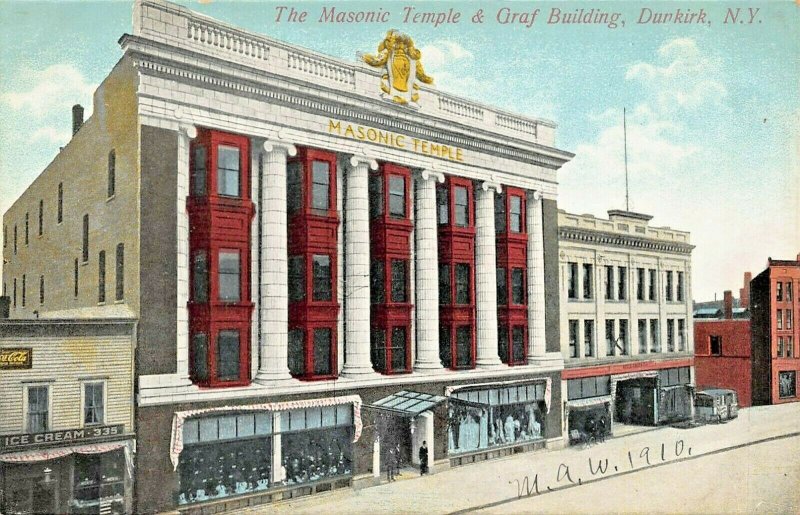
(512, 302)
(220, 211)
(313, 225)
(456, 217)
(390, 231)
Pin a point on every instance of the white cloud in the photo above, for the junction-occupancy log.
(442, 54)
(50, 135)
(55, 88)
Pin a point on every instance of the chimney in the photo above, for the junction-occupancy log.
(728, 305)
(744, 292)
(77, 118)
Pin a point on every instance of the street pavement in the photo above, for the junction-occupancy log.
(748, 465)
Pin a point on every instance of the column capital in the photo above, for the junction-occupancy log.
(487, 185)
(360, 159)
(187, 129)
(431, 175)
(279, 145)
(535, 195)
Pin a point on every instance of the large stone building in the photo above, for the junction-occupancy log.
(326, 259)
(626, 322)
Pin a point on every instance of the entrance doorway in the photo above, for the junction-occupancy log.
(394, 432)
(635, 403)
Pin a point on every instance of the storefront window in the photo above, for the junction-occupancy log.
(482, 419)
(99, 481)
(787, 384)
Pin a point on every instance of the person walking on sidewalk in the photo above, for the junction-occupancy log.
(423, 458)
(398, 460)
(391, 463)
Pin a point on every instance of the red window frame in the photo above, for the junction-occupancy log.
(512, 250)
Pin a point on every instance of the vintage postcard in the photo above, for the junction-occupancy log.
(399, 257)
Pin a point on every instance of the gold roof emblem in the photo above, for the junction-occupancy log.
(401, 62)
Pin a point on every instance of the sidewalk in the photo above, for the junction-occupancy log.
(498, 480)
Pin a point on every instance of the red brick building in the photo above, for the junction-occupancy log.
(775, 336)
(722, 353)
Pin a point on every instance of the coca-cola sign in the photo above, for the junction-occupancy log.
(16, 359)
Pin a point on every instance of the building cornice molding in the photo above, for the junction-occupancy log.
(610, 239)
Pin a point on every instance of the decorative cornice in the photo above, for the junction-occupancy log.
(621, 240)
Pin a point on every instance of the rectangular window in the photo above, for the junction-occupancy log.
(502, 287)
(200, 276)
(652, 289)
(15, 292)
(294, 187)
(788, 318)
(518, 344)
(229, 276)
(200, 361)
(640, 284)
(780, 346)
(461, 207)
(38, 416)
(622, 283)
(779, 318)
(24, 290)
(789, 291)
(228, 171)
(377, 287)
(670, 335)
(715, 345)
(41, 289)
(588, 276)
(322, 277)
(399, 280)
(397, 196)
(60, 216)
(642, 326)
(75, 279)
(464, 346)
(442, 205)
(500, 213)
(445, 353)
(518, 286)
(789, 346)
(399, 342)
(297, 278)
(120, 272)
(228, 355)
(787, 384)
(609, 282)
(668, 290)
(41, 217)
(320, 185)
(199, 173)
(322, 351)
(681, 334)
(779, 291)
(85, 245)
(444, 285)
(377, 345)
(463, 294)
(112, 173)
(573, 338)
(572, 280)
(588, 338)
(681, 287)
(101, 276)
(375, 195)
(655, 344)
(611, 342)
(622, 341)
(515, 214)
(296, 352)
(93, 403)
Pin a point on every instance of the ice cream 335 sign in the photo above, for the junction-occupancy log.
(400, 60)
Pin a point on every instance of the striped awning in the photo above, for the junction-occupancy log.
(588, 402)
(407, 403)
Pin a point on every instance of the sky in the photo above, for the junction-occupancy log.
(713, 109)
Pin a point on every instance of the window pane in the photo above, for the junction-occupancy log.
(209, 429)
(200, 277)
(200, 362)
(320, 178)
(227, 427)
(228, 171)
(442, 205)
(375, 196)
(502, 342)
(500, 212)
(190, 431)
(502, 287)
(399, 280)
(120, 272)
(572, 280)
(37, 409)
(377, 339)
(464, 346)
(199, 173)
(294, 187)
(322, 278)
(245, 425)
(397, 196)
(93, 403)
(588, 338)
(444, 285)
(461, 206)
(297, 278)
(263, 423)
(462, 284)
(296, 352)
(573, 338)
(515, 216)
(376, 287)
(228, 355)
(229, 280)
(101, 279)
(517, 286)
(518, 344)
(444, 346)
(588, 275)
(399, 343)
(322, 351)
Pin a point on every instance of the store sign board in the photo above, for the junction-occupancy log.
(16, 358)
(66, 436)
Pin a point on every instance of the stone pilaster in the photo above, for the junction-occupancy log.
(356, 239)
(274, 301)
(486, 276)
(537, 346)
(427, 272)
(186, 133)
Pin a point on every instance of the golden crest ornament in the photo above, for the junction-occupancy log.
(401, 62)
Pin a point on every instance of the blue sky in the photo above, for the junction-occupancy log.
(713, 110)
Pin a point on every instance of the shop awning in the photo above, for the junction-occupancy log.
(588, 402)
(501, 396)
(407, 403)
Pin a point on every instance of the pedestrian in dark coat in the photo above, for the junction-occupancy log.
(398, 457)
(423, 458)
(391, 463)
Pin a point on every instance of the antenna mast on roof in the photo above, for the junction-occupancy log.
(625, 139)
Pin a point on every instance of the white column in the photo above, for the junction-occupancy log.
(427, 272)
(186, 133)
(274, 305)
(486, 276)
(537, 345)
(633, 308)
(687, 291)
(278, 473)
(423, 432)
(256, 171)
(356, 239)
